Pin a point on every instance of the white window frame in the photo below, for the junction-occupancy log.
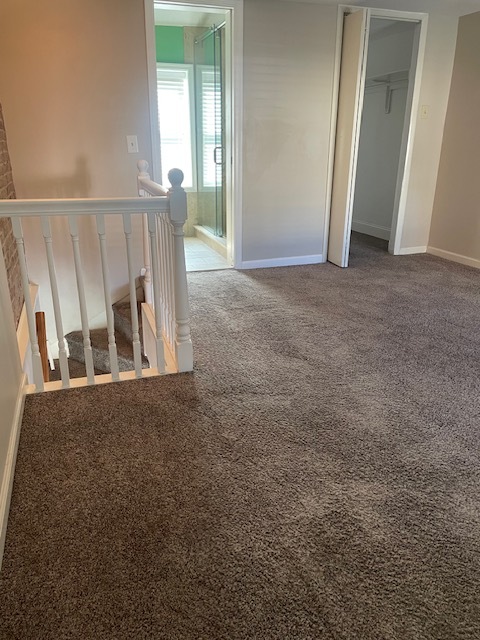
(201, 167)
(189, 68)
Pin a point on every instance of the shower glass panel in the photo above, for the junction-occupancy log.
(210, 119)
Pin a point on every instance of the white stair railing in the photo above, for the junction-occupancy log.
(159, 207)
(171, 307)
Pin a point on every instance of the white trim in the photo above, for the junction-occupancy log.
(361, 79)
(408, 140)
(454, 257)
(333, 127)
(401, 199)
(370, 229)
(281, 262)
(188, 67)
(151, 53)
(7, 480)
(408, 251)
(149, 332)
(82, 206)
(103, 378)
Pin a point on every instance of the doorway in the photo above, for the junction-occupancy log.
(378, 94)
(194, 117)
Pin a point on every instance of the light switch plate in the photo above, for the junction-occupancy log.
(132, 144)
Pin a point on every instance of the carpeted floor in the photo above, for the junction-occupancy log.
(317, 477)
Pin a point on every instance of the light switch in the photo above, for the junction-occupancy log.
(424, 109)
(132, 144)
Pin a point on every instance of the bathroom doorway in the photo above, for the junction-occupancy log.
(194, 121)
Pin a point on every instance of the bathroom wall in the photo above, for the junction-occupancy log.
(176, 45)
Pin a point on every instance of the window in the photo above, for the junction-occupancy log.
(175, 114)
(210, 104)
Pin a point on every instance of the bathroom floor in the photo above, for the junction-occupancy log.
(200, 257)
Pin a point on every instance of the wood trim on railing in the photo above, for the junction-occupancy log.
(42, 343)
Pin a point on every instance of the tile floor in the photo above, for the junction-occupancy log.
(201, 257)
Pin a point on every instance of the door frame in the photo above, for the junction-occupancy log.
(408, 137)
(233, 107)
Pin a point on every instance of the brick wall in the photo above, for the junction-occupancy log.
(7, 241)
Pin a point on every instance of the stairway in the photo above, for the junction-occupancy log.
(99, 341)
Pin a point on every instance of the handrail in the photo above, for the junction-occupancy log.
(164, 215)
(151, 187)
(82, 206)
(146, 184)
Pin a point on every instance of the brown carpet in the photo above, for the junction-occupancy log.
(317, 477)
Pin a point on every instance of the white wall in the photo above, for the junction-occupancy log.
(10, 393)
(289, 62)
(437, 74)
(455, 231)
(389, 51)
(380, 140)
(288, 77)
(69, 101)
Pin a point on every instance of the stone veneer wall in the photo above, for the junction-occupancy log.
(7, 241)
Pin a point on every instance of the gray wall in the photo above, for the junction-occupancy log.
(456, 213)
(92, 91)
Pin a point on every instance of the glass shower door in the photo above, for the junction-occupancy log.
(210, 119)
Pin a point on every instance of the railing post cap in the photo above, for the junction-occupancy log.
(142, 166)
(175, 177)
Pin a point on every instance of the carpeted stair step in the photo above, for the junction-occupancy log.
(123, 319)
(101, 358)
(75, 370)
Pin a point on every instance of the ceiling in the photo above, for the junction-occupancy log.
(447, 7)
(170, 14)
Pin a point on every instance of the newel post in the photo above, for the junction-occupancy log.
(178, 217)
(142, 166)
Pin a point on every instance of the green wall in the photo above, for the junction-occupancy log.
(169, 44)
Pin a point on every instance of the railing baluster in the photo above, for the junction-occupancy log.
(178, 217)
(164, 263)
(62, 352)
(171, 282)
(152, 225)
(183, 341)
(36, 358)
(137, 347)
(112, 346)
(142, 166)
(147, 277)
(87, 345)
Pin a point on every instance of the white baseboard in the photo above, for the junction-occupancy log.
(369, 229)
(293, 261)
(454, 257)
(408, 251)
(7, 480)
